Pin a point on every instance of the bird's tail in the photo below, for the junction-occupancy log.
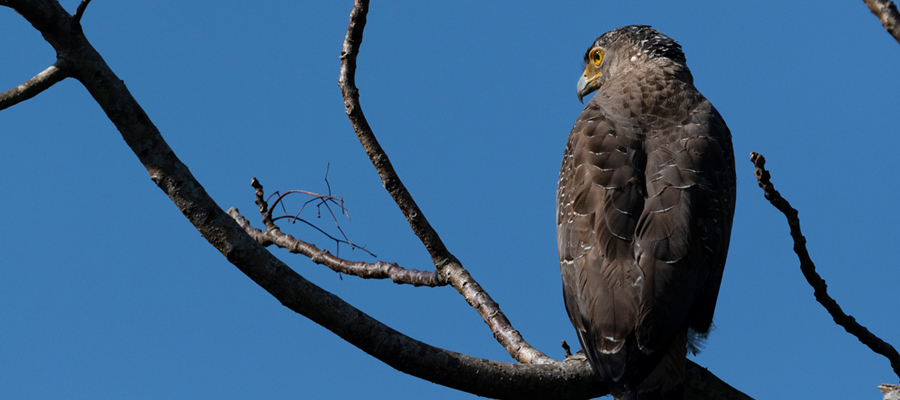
(666, 382)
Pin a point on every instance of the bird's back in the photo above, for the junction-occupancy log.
(645, 199)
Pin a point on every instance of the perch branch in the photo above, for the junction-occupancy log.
(570, 379)
(32, 87)
(447, 368)
(886, 11)
(809, 269)
(447, 265)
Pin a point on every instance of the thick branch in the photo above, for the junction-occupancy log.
(809, 269)
(886, 11)
(447, 265)
(32, 87)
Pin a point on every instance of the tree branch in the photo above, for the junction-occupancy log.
(572, 379)
(79, 12)
(470, 374)
(886, 11)
(447, 265)
(809, 269)
(378, 270)
(34, 86)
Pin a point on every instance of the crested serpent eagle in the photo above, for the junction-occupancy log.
(644, 210)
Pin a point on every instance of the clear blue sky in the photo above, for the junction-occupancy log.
(108, 292)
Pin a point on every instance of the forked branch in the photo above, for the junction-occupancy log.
(820, 289)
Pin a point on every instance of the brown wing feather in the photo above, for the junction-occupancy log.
(643, 216)
(600, 201)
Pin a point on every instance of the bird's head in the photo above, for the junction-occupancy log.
(621, 50)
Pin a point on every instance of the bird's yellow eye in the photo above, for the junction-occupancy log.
(596, 56)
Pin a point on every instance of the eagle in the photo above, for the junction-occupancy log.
(644, 212)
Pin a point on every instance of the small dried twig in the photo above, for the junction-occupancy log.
(886, 11)
(34, 86)
(377, 270)
(336, 240)
(809, 269)
(320, 200)
(566, 348)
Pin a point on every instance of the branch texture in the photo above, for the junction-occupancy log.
(34, 86)
(447, 265)
(886, 11)
(378, 270)
(820, 289)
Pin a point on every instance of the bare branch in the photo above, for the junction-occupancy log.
(32, 87)
(886, 11)
(337, 241)
(470, 374)
(447, 265)
(439, 253)
(571, 379)
(809, 269)
(377, 270)
(79, 12)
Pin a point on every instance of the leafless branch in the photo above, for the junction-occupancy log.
(79, 12)
(295, 219)
(470, 374)
(571, 379)
(320, 200)
(886, 11)
(377, 270)
(32, 87)
(447, 265)
(809, 269)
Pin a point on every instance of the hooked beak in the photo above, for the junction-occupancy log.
(588, 83)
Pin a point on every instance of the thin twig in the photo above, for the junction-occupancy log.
(269, 221)
(321, 200)
(447, 265)
(809, 269)
(32, 87)
(347, 242)
(886, 11)
(376, 270)
(79, 12)
(337, 200)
